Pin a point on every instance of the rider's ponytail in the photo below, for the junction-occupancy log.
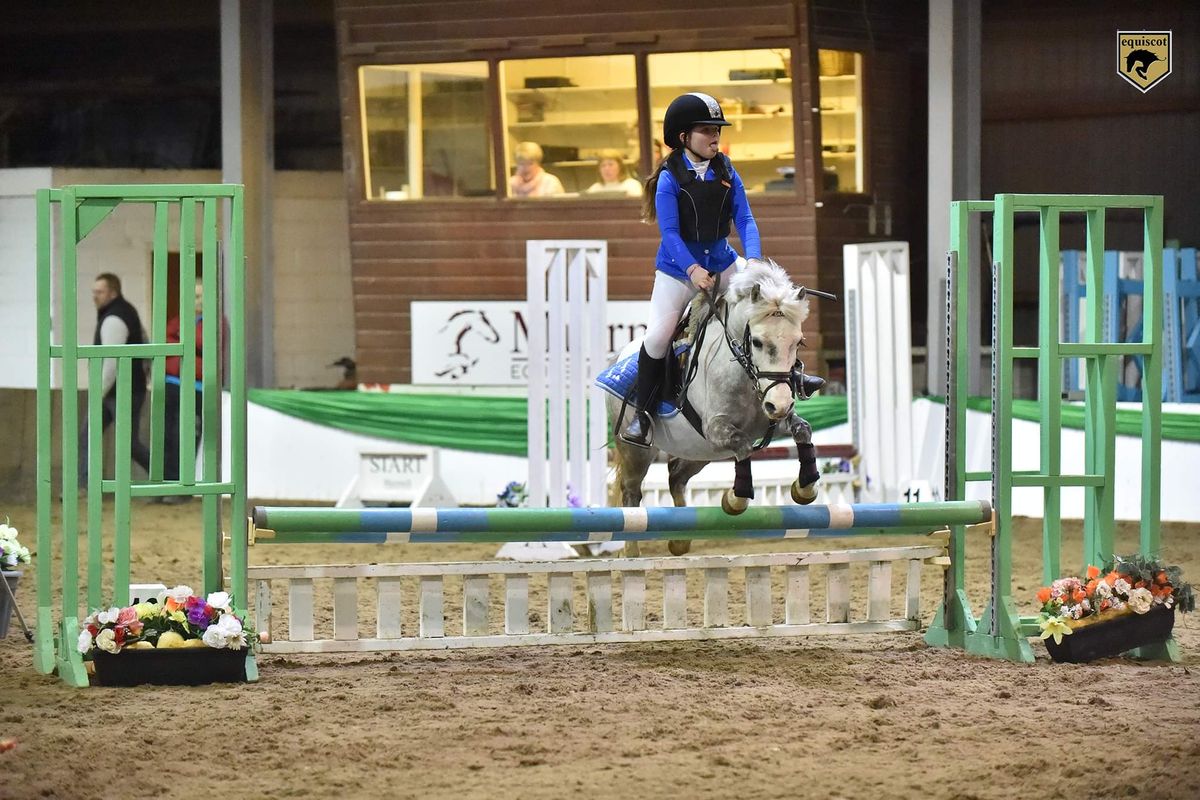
(649, 210)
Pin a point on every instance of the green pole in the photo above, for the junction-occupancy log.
(43, 649)
(1050, 389)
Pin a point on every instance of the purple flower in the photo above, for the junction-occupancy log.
(198, 615)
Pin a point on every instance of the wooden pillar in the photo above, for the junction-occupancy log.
(248, 158)
(955, 38)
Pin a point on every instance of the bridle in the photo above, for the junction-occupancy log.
(741, 354)
(740, 349)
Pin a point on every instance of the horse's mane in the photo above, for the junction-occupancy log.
(776, 293)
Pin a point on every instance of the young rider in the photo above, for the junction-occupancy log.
(694, 194)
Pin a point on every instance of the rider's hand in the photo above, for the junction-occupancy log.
(700, 277)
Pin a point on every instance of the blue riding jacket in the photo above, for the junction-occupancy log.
(675, 255)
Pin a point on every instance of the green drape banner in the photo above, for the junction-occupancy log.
(498, 424)
(1175, 426)
(463, 422)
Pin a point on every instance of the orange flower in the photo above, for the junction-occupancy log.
(1078, 595)
(171, 605)
(1161, 579)
(1043, 594)
(1105, 605)
(1093, 572)
(1091, 587)
(1140, 585)
(1111, 577)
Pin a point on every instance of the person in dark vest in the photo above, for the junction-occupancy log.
(695, 194)
(117, 322)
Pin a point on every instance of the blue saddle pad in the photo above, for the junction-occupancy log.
(620, 380)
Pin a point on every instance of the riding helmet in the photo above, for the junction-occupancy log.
(688, 111)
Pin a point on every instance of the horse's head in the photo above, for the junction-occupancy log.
(767, 312)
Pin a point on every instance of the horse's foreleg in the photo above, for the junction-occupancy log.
(679, 472)
(804, 488)
(722, 432)
(737, 499)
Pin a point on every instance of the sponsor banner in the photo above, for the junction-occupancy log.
(486, 342)
(1143, 57)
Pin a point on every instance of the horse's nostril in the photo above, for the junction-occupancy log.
(769, 407)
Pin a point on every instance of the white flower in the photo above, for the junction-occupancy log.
(179, 594)
(107, 641)
(226, 632)
(1117, 605)
(108, 617)
(1121, 586)
(1086, 604)
(213, 638)
(8, 532)
(1103, 590)
(219, 600)
(1140, 600)
(85, 640)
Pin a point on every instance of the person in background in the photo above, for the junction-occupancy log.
(530, 179)
(117, 322)
(614, 176)
(182, 392)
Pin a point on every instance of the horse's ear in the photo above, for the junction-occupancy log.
(800, 292)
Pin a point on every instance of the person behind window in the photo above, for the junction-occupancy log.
(697, 178)
(531, 180)
(614, 176)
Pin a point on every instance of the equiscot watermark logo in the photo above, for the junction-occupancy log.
(1144, 57)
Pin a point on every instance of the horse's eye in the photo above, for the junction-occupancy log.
(757, 343)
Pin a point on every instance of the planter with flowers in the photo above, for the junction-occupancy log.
(1129, 604)
(182, 639)
(12, 555)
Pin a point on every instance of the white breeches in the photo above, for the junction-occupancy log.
(668, 301)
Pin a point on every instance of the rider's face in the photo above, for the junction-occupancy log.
(704, 140)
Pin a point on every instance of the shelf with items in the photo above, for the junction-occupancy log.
(622, 123)
(841, 114)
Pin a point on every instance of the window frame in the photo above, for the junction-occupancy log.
(494, 96)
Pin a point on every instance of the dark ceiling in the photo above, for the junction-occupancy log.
(137, 84)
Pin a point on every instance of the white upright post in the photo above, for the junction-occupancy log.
(879, 365)
(567, 301)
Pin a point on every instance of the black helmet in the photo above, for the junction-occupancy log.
(688, 111)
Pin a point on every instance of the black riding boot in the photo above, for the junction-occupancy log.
(649, 377)
(804, 385)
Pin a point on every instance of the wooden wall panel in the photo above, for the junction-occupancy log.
(475, 248)
(892, 40)
(1085, 130)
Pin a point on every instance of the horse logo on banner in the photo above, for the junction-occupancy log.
(1144, 57)
(471, 323)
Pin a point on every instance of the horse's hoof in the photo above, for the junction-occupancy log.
(803, 495)
(679, 547)
(732, 504)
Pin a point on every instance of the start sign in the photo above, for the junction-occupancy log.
(410, 475)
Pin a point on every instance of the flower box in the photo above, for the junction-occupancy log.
(180, 666)
(1111, 634)
(6, 598)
